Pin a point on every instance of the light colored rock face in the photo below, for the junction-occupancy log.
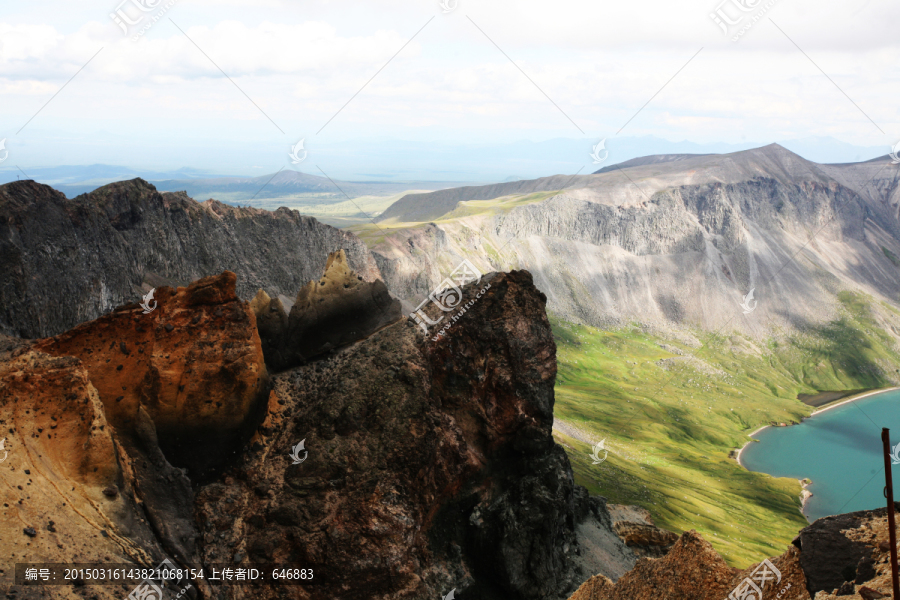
(693, 570)
(59, 456)
(679, 245)
(195, 363)
(339, 281)
(40, 395)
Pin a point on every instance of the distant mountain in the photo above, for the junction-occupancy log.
(288, 182)
(425, 207)
(392, 160)
(76, 180)
(96, 175)
(671, 242)
(648, 160)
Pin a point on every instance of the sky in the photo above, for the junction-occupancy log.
(230, 86)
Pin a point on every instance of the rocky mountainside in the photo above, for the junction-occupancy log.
(69, 261)
(393, 465)
(674, 244)
(843, 556)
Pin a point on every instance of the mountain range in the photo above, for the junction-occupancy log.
(672, 242)
(451, 460)
(380, 161)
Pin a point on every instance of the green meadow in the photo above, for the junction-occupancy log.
(671, 414)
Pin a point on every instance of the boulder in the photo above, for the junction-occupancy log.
(194, 363)
(329, 313)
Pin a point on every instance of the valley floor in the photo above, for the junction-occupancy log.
(672, 413)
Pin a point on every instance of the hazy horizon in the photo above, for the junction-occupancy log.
(230, 86)
(405, 161)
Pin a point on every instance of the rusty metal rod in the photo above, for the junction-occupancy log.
(889, 494)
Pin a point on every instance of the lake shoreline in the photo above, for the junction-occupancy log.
(748, 442)
(805, 494)
(852, 399)
(841, 402)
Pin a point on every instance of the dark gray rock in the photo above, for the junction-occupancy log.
(829, 557)
(431, 465)
(69, 261)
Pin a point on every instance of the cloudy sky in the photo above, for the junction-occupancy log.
(231, 85)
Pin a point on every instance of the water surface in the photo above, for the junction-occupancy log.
(840, 450)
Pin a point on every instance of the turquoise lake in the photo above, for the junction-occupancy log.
(840, 450)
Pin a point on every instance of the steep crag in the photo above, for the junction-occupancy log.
(431, 465)
(69, 261)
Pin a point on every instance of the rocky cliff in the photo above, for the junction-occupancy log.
(431, 465)
(194, 365)
(672, 245)
(110, 427)
(425, 466)
(69, 261)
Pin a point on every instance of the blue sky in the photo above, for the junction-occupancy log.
(231, 85)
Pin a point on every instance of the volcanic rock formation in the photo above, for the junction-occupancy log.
(843, 551)
(330, 313)
(431, 466)
(842, 556)
(70, 491)
(428, 465)
(69, 261)
(693, 570)
(194, 364)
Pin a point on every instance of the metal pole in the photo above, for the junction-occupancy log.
(889, 494)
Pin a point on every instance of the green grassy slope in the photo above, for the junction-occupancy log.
(670, 421)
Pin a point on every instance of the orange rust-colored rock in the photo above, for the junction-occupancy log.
(194, 363)
(693, 570)
(36, 391)
(59, 456)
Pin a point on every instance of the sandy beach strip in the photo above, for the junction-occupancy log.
(750, 435)
(853, 399)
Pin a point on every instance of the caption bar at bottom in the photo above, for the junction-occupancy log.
(129, 574)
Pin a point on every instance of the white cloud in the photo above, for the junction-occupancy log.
(599, 62)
